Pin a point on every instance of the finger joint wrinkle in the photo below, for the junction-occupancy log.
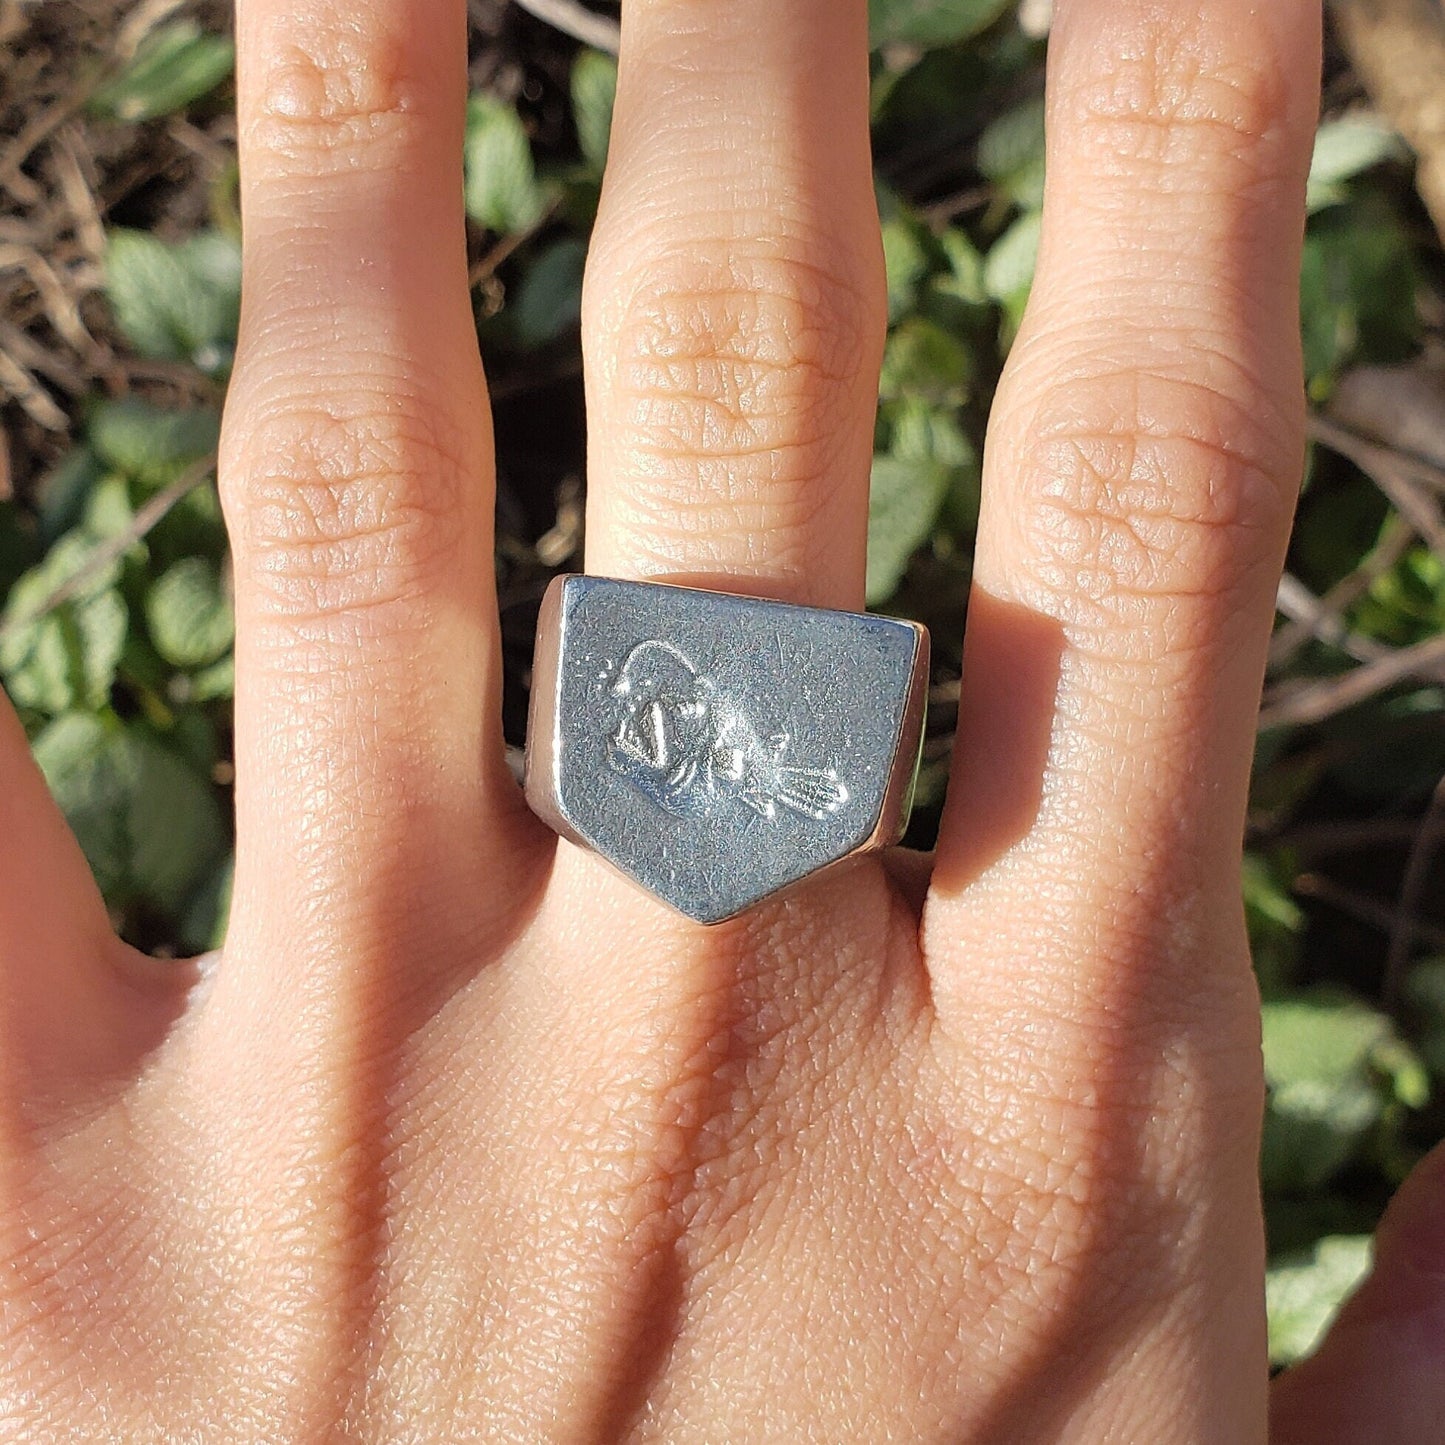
(324, 94)
(331, 510)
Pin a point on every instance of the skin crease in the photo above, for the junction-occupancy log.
(463, 1139)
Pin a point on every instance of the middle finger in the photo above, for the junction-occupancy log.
(735, 309)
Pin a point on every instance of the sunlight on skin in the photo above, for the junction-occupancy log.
(466, 1140)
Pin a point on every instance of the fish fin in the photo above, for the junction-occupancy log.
(813, 792)
(760, 803)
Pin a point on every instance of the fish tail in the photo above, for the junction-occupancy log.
(813, 792)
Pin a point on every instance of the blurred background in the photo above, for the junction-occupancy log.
(119, 284)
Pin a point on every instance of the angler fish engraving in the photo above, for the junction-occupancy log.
(689, 748)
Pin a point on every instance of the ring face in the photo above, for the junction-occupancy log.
(715, 748)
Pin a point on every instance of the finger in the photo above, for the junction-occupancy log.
(77, 1008)
(734, 311)
(1377, 1376)
(1088, 961)
(357, 477)
(1143, 459)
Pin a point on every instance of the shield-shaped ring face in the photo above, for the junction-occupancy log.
(715, 748)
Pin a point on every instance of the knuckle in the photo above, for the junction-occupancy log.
(1143, 486)
(736, 381)
(337, 509)
(1162, 97)
(327, 90)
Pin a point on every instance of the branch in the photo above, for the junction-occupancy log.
(1396, 538)
(1361, 906)
(1405, 480)
(1317, 701)
(1398, 49)
(1407, 912)
(574, 19)
(1324, 623)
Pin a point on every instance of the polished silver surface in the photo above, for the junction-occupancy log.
(715, 748)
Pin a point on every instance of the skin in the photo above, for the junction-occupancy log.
(463, 1139)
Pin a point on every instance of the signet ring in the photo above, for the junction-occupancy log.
(716, 749)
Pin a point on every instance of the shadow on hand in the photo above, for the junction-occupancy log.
(1151, 1219)
(1006, 711)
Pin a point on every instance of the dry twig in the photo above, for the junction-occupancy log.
(1326, 622)
(574, 19)
(1323, 840)
(1402, 407)
(1361, 906)
(140, 22)
(1403, 479)
(1427, 843)
(12, 178)
(1316, 701)
(30, 396)
(1322, 621)
(72, 161)
(23, 348)
(1398, 48)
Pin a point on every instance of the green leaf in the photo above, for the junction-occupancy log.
(1357, 292)
(1343, 149)
(594, 92)
(923, 360)
(905, 258)
(150, 444)
(930, 23)
(502, 191)
(70, 656)
(1332, 1065)
(175, 65)
(903, 505)
(549, 300)
(1406, 604)
(1304, 1292)
(55, 658)
(176, 302)
(1011, 153)
(173, 822)
(1274, 919)
(1008, 271)
(216, 681)
(189, 614)
(919, 431)
(964, 278)
(74, 753)
(203, 924)
(108, 511)
(194, 738)
(147, 821)
(1425, 995)
(1266, 896)
(192, 528)
(64, 489)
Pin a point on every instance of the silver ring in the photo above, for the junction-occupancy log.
(717, 749)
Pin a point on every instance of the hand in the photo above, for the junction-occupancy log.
(465, 1139)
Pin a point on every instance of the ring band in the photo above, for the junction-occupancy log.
(716, 749)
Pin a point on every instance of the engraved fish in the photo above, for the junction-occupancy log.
(685, 745)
